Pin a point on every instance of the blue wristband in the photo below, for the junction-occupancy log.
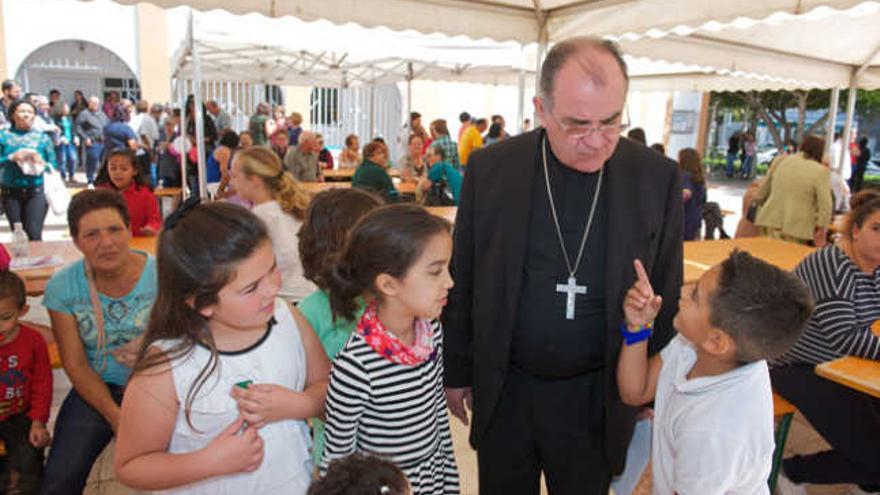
(632, 338)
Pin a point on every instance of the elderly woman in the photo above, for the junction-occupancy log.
(25, 154)
(412, 164)
(350, 156)
(796, 196)
(372, 173)
(845, 282)
(99, 308)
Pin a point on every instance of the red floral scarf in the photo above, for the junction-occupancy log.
(389, 346)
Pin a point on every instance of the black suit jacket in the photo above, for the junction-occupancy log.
(491, 234)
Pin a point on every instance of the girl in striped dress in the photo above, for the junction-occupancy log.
(386, 386)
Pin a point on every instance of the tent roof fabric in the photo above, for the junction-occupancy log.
(723, 44)
(516, 20)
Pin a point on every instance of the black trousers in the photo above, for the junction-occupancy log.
(847, 419)
(27, 205)
(550, 426)
(23, 471)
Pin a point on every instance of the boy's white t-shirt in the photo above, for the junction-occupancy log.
(712, 435)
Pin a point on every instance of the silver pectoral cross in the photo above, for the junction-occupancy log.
(571, 289)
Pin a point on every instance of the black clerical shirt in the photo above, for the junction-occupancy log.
(545, 343)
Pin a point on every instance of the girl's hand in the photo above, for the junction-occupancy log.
(233, 452)
(263, 403)
(147, 231)
(39, 435)
(641, 305)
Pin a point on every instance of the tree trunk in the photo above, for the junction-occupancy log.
(802, 115)
(816, 125)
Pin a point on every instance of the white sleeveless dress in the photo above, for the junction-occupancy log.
(277, 358)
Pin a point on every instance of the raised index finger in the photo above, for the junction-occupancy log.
(642, 275)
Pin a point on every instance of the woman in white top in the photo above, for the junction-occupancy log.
(279, 200)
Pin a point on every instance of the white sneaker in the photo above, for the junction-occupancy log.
(785, 486)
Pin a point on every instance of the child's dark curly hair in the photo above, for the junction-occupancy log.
(361, 474)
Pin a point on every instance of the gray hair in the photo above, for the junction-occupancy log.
(563, 51)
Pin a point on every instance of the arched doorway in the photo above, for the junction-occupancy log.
(70, 65)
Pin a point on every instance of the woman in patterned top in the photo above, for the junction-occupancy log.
(844, 279)
(99, 308)
(25, 153)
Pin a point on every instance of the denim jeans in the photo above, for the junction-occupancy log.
(81, 434)
(27, 205)
(65, 154)
(747, 166)
(23, 459)
(731, 157)
(94, 153)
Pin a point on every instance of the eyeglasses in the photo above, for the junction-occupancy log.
(578, 131)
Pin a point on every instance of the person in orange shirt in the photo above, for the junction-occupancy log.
(471, 139)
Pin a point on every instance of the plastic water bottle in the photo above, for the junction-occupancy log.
(19, 241)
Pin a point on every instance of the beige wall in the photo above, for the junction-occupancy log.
(152, 51)
(296, 99)
(3, 69)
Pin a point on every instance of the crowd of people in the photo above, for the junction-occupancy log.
(284, 342)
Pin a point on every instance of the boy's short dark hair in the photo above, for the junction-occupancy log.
(12, 287)
(361, 474)
(90, 200)
(762, 307)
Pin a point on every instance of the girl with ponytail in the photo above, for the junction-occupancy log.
(386, 386)
(281, 202)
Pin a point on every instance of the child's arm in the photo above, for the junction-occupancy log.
(347, 395)
(149, 412)
(40, 382)
(264, 403)
(636, 373)
(154, 218)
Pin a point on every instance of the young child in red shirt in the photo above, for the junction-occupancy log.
(120, 172)
(25, 391)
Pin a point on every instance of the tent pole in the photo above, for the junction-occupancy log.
(372, 110)
(850, 113)
(409, 78)
(543, 42)
(181, 98)
(520, 103)
(832, 119)
(198, 112)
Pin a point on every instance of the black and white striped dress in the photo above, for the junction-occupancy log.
(847, 303)
(394, 411)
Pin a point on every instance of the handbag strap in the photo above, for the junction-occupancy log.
(99, 318)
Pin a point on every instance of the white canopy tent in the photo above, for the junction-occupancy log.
(723, 44)
(524, 21)
(823, 48)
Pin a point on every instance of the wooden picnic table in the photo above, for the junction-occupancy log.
(345, 174)
(447, 212)
(857, 373)
(699, 256)
(406, 188)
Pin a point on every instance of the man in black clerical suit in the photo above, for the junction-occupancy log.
(548, 227)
